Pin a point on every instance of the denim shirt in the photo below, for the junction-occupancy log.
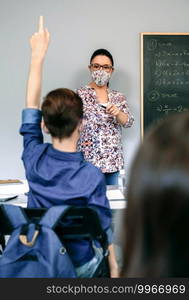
(57, 177)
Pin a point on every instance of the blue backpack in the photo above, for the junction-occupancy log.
(35, 250)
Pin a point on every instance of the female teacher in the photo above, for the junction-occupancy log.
(105, 112)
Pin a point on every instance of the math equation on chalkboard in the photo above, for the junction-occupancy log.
(164, 76)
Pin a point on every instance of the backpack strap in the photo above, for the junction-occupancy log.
(53, 215)
(14, 215)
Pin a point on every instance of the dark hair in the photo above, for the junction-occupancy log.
(62, 110)
(157, 214)
(102, 52)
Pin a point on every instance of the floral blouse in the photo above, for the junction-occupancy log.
(100, 139)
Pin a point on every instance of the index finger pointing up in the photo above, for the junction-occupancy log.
(41, 23)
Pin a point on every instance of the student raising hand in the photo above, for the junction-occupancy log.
(40, 40)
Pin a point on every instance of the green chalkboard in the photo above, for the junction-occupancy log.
(164, 75)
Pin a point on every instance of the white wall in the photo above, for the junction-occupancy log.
(77, 27)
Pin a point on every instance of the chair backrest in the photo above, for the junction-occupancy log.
(77, 223)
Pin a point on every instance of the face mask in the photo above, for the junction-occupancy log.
(100, 77)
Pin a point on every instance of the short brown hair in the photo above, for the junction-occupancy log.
(62, 109)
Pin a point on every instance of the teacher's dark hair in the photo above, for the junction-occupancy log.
(102, 52)
(157, 215)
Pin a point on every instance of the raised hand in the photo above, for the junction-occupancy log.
(39, 44)
(39, 41)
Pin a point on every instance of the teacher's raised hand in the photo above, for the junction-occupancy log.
(39, 41)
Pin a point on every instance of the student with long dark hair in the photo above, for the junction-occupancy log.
(157, 216)
(105, 111)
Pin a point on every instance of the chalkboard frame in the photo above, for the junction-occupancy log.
(142, 36)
